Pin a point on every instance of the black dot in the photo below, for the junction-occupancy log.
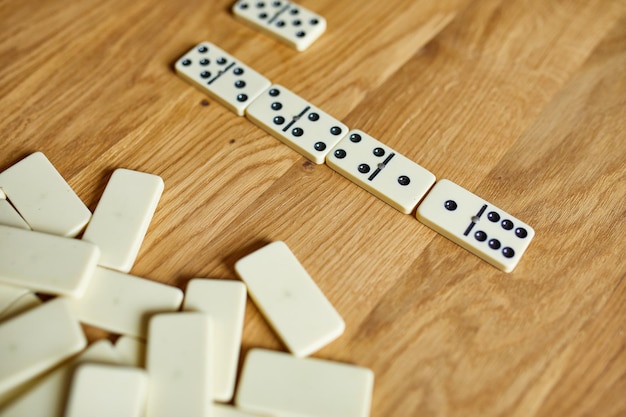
(378, 152)
(205, 74)
(242, 97)
(279, 120)
(274, 92)
(494, 244)
(221, 60)
(403, 180)
(204, 61)
(238, 71)
(508, 252)
(240, 84)
(355, 137)
(319, 146)
(280, 23)
(493, 216)
(186, 62)
(276, 4)
(314, 21)
(521, 232)
(297, 132)
(243, 6)
(364, 168)
(340, 154)
(450, 205)
(335, 130)
(507, 224)
(480, 236)
(276, 105)
(294, 11)
(300, 34)
(260, 5)
(297, 22)
(262, 15)
(314, 117)
(202, 49)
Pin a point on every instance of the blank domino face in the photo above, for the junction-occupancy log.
(278, 384)
(478, 226)
(43, 198)
(36, 340)
(179, 364)
(122, 217)
(288, 22)
(123, 303)
(46, 263)
(289, 299)
(221, 76)
(105, 390)
(388, 175)
(225, 302)
(296, 122)
(132, 351)
(10, 217)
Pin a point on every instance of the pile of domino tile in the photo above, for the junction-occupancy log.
(177, 353)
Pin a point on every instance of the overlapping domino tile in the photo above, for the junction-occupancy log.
(179, 364)
(47, 398)
(223, 410)
(46, 263)
(387, 174)
(225, 302)
(296, 122)
(289, 299)
(123, 303)
(43, 198)
(9, 216)
(132, 351)
(471, 222)
(36, 340)
(278, 384)
(23, 303)
(104, 391)
(121, 219)
(221, 76)
(288, 22)
(9, 294)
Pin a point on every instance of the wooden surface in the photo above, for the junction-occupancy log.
(521, 101)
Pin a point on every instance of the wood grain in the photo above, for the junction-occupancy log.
(521, 101)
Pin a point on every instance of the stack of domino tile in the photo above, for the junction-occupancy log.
(177, 354)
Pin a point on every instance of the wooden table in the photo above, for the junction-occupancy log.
(522, 102)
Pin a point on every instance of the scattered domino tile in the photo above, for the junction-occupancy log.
(10, 217)
(23, 303)
(179, 364)
(9, 294)
(296, 122)
(223, 410)
(221, 76)
(36, 340)
(225, 302)
(43, 198)
(480, 227)
(289, 299)
(105, 390)
(47, 397)
(285, 21)
(122, 217)
(388, 175)
(46, 263)
(280, 385)
(123, 303)
(132, 351)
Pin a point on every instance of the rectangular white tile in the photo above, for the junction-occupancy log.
(132, 351)
(10, 217)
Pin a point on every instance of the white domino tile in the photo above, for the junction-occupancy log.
(132, 351)
(179, 364)
(46, 263)
(225, 302)
(220, 75)
(37, 340)
(223, 410)
(123, 303)
(296, 122)
(107, 390)
(47, 398)
(43, 198)
(387, 174)
(287, 22)
(121, 219)
(280, 385)
(10, 217)
(475, 224)
(23, 303)
(10, 294)
(289, 299)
